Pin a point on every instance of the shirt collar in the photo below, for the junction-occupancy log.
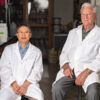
(19, 45)
(83, 30)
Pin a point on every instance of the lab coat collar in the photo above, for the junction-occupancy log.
(89, 35)
(16, 48)
(79, 32)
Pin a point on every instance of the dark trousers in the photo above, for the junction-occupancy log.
(63, 85)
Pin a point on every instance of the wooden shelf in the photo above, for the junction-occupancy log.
(39, 25)
(36, 16)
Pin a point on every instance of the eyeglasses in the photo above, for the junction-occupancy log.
(23, 32)
(87, 14)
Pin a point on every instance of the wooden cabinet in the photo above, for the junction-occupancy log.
(40, 22)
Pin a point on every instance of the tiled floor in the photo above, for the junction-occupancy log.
(47, 80)
(49, 74)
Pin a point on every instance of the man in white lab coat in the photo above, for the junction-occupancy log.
(21, 68)
(80, 58)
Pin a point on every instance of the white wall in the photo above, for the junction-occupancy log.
(98, 16)
(97, 4)
(64, 9)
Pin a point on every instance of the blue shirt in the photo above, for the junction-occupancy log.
(23, 50)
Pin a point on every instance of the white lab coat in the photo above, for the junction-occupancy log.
(82, 54)
(30, 68)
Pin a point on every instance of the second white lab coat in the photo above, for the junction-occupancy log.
(13, 68)
(82, 54)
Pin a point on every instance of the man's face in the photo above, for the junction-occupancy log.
(23, 34)
(88, 16)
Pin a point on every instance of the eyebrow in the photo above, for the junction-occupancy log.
(24, 31)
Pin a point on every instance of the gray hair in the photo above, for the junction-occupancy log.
(88, 5)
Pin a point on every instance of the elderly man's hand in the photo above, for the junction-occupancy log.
(23, 88)
(67, 71)
(15, 87)
(80, 79)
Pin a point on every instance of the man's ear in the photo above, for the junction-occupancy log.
(30, 35)
(17, 34)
